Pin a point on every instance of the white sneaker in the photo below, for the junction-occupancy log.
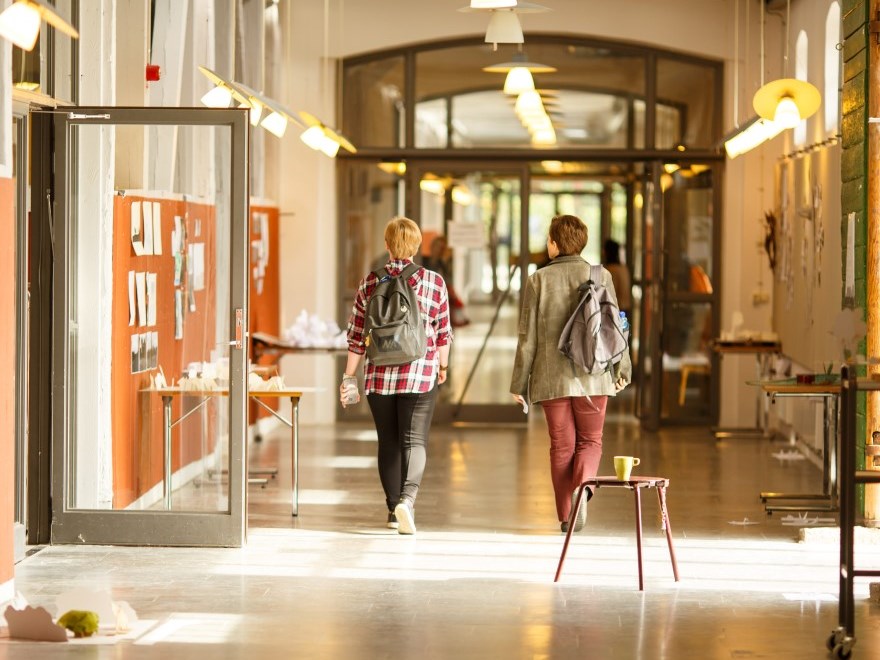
(406, 522)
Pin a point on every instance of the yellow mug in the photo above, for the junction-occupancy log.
(623, 466)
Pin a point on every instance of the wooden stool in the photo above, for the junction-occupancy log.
(635, 484)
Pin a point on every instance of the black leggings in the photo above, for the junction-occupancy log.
(402, 423)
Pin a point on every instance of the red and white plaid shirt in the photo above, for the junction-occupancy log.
(417, 376)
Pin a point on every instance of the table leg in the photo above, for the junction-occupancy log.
(166, 451)
(571, 519)
(830, 458)
(294, 453)
(661, 495)
(638, 495)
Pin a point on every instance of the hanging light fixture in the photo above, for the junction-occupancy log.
(492, 4)
(226, 91)
(322, 138)
(519, 72)
(756, 130)
(504, 26)
(787, 101)
(20, 22)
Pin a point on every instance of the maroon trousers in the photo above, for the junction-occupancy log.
(575, 425)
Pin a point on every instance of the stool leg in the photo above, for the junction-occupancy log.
(571, 518)
(661, 495)
(639, 533)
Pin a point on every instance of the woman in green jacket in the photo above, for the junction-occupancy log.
(573, 400)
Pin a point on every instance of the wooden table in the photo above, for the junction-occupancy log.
(293, 393)
(761, 350)
(635, 484)
(830, 393)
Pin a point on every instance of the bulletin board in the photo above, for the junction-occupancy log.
(265, 285)
(165, 251)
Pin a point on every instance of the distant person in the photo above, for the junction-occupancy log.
(573, 400)
(619, 275)
(439, 259)
(402, 397)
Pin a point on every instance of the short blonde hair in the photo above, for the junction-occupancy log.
(403, 238)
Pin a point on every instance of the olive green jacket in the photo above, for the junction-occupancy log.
(540, 371)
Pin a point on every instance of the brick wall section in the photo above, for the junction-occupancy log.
(854, 162)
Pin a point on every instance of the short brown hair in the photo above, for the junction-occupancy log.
(403, 238)
(569, 233)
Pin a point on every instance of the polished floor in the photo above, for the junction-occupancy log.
(477, 579)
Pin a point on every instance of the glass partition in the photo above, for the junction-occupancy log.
(155, 314)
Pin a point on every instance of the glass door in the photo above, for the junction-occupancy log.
(472, 227)
(150, 244)
(647, 240)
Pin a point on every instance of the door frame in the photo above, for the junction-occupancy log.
(476, 413)
(129, 527)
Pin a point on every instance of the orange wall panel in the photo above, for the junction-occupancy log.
(137, 420)
(7, 384)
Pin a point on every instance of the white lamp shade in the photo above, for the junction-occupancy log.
(519, 80)
(504, 28)
(255, 111)
(751, 136)
(219, 97)
(529, 103)
(313, 137)
(492, 4)
(544, 137)
(329, 146)
(787, 113)
(20, 24)
(275, 123)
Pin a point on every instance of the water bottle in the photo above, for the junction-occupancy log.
(624, 325)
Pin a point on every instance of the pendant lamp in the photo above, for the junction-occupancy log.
(786, 101)
(20, 22)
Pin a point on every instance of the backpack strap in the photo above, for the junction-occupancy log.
(596, 274)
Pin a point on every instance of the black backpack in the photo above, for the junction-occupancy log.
(393, 328)
(593, 337)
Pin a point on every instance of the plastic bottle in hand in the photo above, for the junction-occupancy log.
(349, 391)
(624, 325)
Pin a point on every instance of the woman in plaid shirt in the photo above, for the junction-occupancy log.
(402, 398)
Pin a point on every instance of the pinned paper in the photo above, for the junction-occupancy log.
(152, 287)
(198, 267)
(148, 228)
(132, 304)
(141, 289)
(137, 237)
(33, 623)
(157, 228)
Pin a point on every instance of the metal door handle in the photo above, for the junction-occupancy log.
(239, 328)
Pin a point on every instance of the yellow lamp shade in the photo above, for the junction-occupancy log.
(799, 93)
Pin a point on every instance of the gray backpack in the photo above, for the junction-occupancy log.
(393, 328)
(593, 337)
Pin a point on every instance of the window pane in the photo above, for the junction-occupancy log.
(688, 210)
(587, 100)
(373, 108)
(686, 109)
